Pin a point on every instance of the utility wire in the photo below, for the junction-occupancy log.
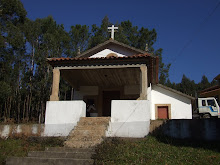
(195, 33)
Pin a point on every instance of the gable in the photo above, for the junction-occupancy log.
(106, 52)
(111, 46)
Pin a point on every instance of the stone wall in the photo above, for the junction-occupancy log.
(196, 129)
(35, 130)
(20, 130)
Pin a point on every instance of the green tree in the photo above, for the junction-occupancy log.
(169, 84)
(127, 34)
(204, 83)
(99, 34)
(79, 38)
(163, 68)
(12, 51)
(187, 86)
(53, 41)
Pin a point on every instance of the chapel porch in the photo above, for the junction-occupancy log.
(100, 84)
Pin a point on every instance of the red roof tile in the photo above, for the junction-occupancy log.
(88, 58)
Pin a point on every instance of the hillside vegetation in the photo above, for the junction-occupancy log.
(152, 150)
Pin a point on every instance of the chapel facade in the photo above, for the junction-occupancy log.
(109, 71)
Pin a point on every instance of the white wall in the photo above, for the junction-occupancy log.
(104, 53)
(62, 116)
(121, 50)
(180, 105)
(114, 49)
(129, 118)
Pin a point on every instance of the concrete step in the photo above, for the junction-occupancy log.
(81, 144)
(67, 149)
(64, 154)
(88, 143)
(94, 121)
(99, 132)
(90, 127)
(95, 118)
(47, 161)
(85, 138)
(89, 132)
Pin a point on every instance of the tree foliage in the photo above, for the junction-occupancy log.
(189, 87)
(25, 77)
(79, 35)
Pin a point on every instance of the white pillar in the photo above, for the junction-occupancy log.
(55, 88)
(143, 83)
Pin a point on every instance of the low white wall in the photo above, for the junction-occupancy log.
(62, 116)
(180, 105)
(129, 118)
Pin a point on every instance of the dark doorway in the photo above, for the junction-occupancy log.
(163, 112)
(108, 96)
(89, 102)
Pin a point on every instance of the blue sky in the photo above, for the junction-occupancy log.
(177, 23)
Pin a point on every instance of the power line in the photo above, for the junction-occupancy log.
(196, 32)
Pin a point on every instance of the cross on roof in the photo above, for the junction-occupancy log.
(112, 30)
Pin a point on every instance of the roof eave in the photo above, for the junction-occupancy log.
(97, 61)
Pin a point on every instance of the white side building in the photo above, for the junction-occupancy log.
(169, 103)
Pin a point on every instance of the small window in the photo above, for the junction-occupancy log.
(203, 103)
(111, 55)
(211, 103)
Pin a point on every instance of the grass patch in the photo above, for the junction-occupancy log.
(157, 150)
(21, 146)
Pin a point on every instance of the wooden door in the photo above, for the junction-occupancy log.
(108, 96)
(162, 112)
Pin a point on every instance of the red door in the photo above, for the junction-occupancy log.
(162, 112)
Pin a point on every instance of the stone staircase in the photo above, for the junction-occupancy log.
(78, 149)
(89, 132)
(55, 156)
